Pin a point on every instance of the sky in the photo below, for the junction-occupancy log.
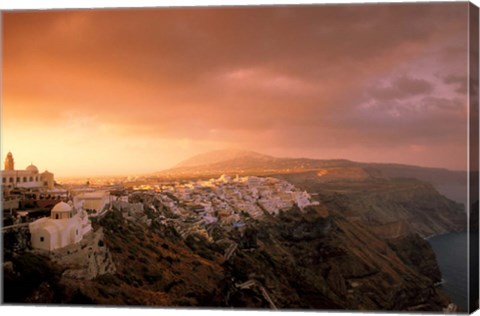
(129, 91)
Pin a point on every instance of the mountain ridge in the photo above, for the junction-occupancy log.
(450, 183)
(223, 155)
(220, 155)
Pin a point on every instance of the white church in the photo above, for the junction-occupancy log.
(28, 178)
(66, 226)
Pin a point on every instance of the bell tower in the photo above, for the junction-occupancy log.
(9, 163)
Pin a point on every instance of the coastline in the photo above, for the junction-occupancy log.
(451, 255)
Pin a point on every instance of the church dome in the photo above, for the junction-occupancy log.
(32, 168)
(61, 207)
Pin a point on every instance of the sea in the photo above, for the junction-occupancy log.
(451, 251)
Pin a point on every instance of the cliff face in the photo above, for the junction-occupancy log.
(417, 254)
(390, 207)
(294, 260)
(85, 260)
(399, 211)
(342, 262)
(53, 277)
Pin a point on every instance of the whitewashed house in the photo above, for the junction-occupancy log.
(94, 201)
(66, 226)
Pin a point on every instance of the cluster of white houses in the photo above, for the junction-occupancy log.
(225, 198)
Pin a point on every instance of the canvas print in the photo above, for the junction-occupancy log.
(279, 157)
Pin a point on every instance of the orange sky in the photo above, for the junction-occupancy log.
(126, 91)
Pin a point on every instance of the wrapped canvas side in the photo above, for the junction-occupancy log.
(473, 158)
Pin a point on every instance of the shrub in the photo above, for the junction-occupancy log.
(153, 277)
(30, 271)
(108, 279)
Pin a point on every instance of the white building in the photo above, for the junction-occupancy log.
(28, 178)
(95, 200)
(66, 226)
(254, 181)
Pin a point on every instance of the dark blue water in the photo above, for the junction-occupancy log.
(452, 257)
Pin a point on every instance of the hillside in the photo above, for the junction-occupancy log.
(298, 259)
(390, 207)
(217, 156)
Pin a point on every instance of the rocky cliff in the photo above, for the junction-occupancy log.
(85, 260)
(390, 207)
(53, 276)
(299, 259)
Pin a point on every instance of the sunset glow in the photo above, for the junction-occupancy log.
(129, 91)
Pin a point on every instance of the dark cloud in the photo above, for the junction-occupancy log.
(301, 76)
(460, 82)
(400, 88)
